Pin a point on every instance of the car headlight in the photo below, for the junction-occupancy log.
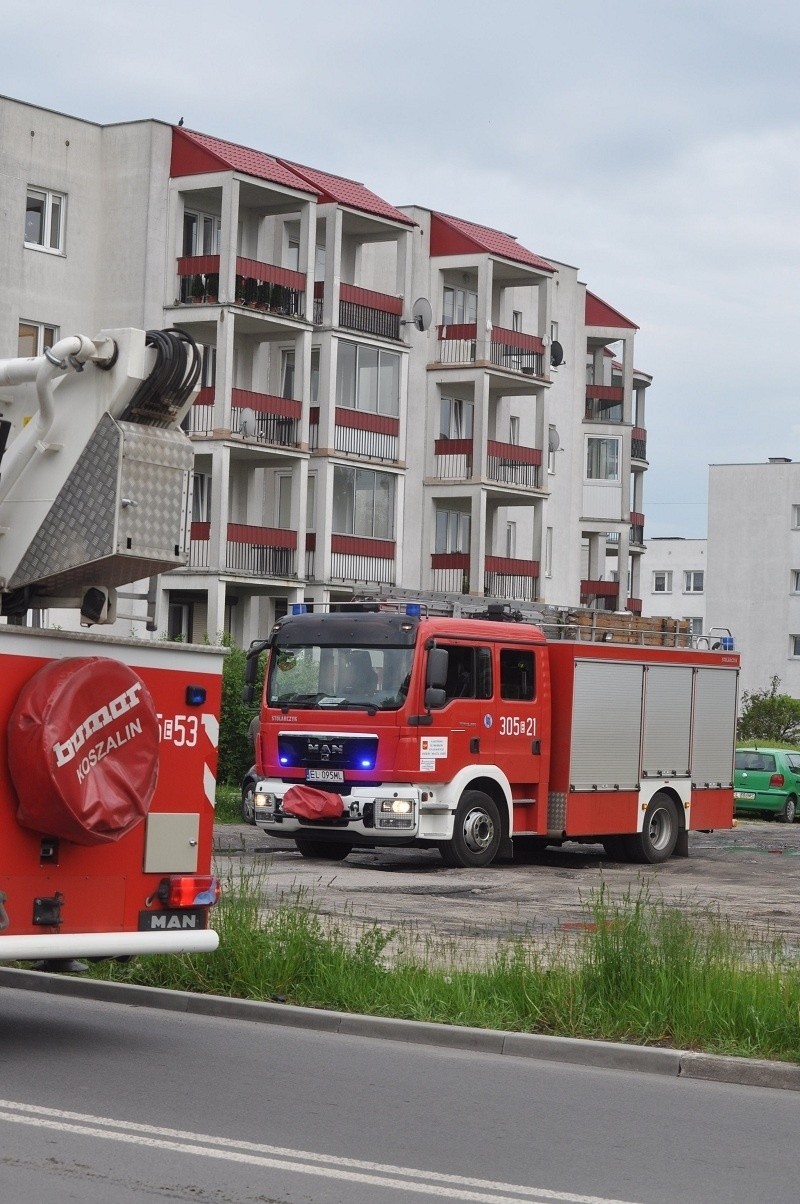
(395, 813)
(264, 800)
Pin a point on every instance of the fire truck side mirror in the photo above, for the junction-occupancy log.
(251, 669)
(436, 678)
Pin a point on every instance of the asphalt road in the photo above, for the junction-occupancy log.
(103, 1102)
(750, 873)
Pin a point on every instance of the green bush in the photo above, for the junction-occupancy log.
(769, 716)
(235, 745)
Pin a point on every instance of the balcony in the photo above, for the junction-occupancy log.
(637, 528)
(200, 418)
(450, 572)
(277, 419)
(604, 403)
(259, 286)
(602, 595)
(256, 551)
(507, 577)
(639, 443)
(363, 309)
(311, 550)
(513, 464)
(359, 433)
(355, 558)
(510, 350)
(452, 459)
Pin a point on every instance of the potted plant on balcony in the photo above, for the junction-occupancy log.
(262, 295)
(250, 291)
(212, 286)
(197, 289)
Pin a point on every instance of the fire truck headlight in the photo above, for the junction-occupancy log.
(263, 801)
(395, 813)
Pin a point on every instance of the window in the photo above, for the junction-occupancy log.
(553, 331)
(695, 625)
(517, 674)
(287, 375)
(516, 320)
(179, 621)
(794, 644)
(33, 338)
(452, 531)
(367, 378)
(469, 672)
(44, 219)
(293, 255)
(552, 448)
(548, 552)
(201, 233)
(459, 307)
(796, 581)
(283, 501)
(662, 582)
(796, 517)
(693, 581)
(363, 502)
(208, 372)
(602, 458)
(455, 418)
(513, 430)
(201, 498)
(511, 540)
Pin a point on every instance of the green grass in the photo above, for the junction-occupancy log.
(228, 805)
(639, 971)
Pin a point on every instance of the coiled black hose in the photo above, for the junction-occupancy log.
(175, 374)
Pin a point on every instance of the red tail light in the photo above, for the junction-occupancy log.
(777, 779)
(189, 890)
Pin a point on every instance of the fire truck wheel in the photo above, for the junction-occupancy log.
(616, 848)
(658, 837)
(322, 850)
(476, 832)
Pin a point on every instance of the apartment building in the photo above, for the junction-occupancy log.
(390, 395)
(674, 584)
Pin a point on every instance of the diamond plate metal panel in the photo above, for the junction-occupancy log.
(556, 811)
(155, 467)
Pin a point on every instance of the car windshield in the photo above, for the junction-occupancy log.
(322, 677)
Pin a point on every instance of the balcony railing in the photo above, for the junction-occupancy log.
(450, 572)
(261, 286)
(363, 309)
(638, 443)
(517, 352)
(512, 464)
(261, 551)
(200, 418)
(198, 279)
(198, 546)
(355, 558)
(637, 528)
(600, 594)
(603, 403)
(311, 550)
(507, 577)
(453, 459)
(362, 433)
(277, 419)
(457, 343)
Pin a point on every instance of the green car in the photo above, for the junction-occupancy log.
(766, 780)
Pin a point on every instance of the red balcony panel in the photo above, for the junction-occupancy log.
(514, 452)
(358, 545)
(364, 420)
(313, 416)
(200, 531)
(266, 403)
(198, 265)
(450, 560)
(369, 299)
(311, 541)
(206, 396)
(637, 520)
(604, 393)
(468, 330)
(510, 566)
(319, 290)
(516, 338)
(639, 432)
(603, 589)
(273, 537)
(452, 447)
(634, 605)
(270, 273)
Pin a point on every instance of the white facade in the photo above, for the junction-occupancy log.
(337, 446)
(674, 581)
(754, 567)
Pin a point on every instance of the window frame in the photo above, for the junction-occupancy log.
(605, 479)
(42, 331)
(689, 581)
(48, 196)
(355, 388)
(354, 507)
(667, 575)
(455, 526)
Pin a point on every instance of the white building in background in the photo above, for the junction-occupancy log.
(675, 579)
(754, 567)
(499, 450)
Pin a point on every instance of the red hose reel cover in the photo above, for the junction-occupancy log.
(83, 750)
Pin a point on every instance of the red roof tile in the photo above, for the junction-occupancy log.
(194, 154)
(454, 236)
(347, 192)
(600, 313)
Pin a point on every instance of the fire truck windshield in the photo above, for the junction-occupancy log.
(317, 676)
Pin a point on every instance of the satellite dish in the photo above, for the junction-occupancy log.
(247, 424)
(556, 353)
(421, 314)
(553, 441)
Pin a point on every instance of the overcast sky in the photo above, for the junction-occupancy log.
(654, 144)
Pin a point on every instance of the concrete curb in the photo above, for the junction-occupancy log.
(674, 1063)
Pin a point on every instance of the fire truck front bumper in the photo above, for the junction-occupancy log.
(395, 814)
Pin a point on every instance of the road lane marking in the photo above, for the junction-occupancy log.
(432, 1183)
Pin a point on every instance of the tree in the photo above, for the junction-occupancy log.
(235, 745)
(769, 716)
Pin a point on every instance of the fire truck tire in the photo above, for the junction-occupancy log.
(659, 835)
(477, 832)
(322, 850)
(616, 848)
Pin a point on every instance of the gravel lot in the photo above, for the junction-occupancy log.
(751, 873)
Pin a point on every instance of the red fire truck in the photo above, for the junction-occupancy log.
(108, 744)
(398, 726)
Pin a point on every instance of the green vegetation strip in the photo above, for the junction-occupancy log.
(637, 971)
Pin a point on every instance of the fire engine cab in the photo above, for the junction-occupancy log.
(395, 725)
(108, 744)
